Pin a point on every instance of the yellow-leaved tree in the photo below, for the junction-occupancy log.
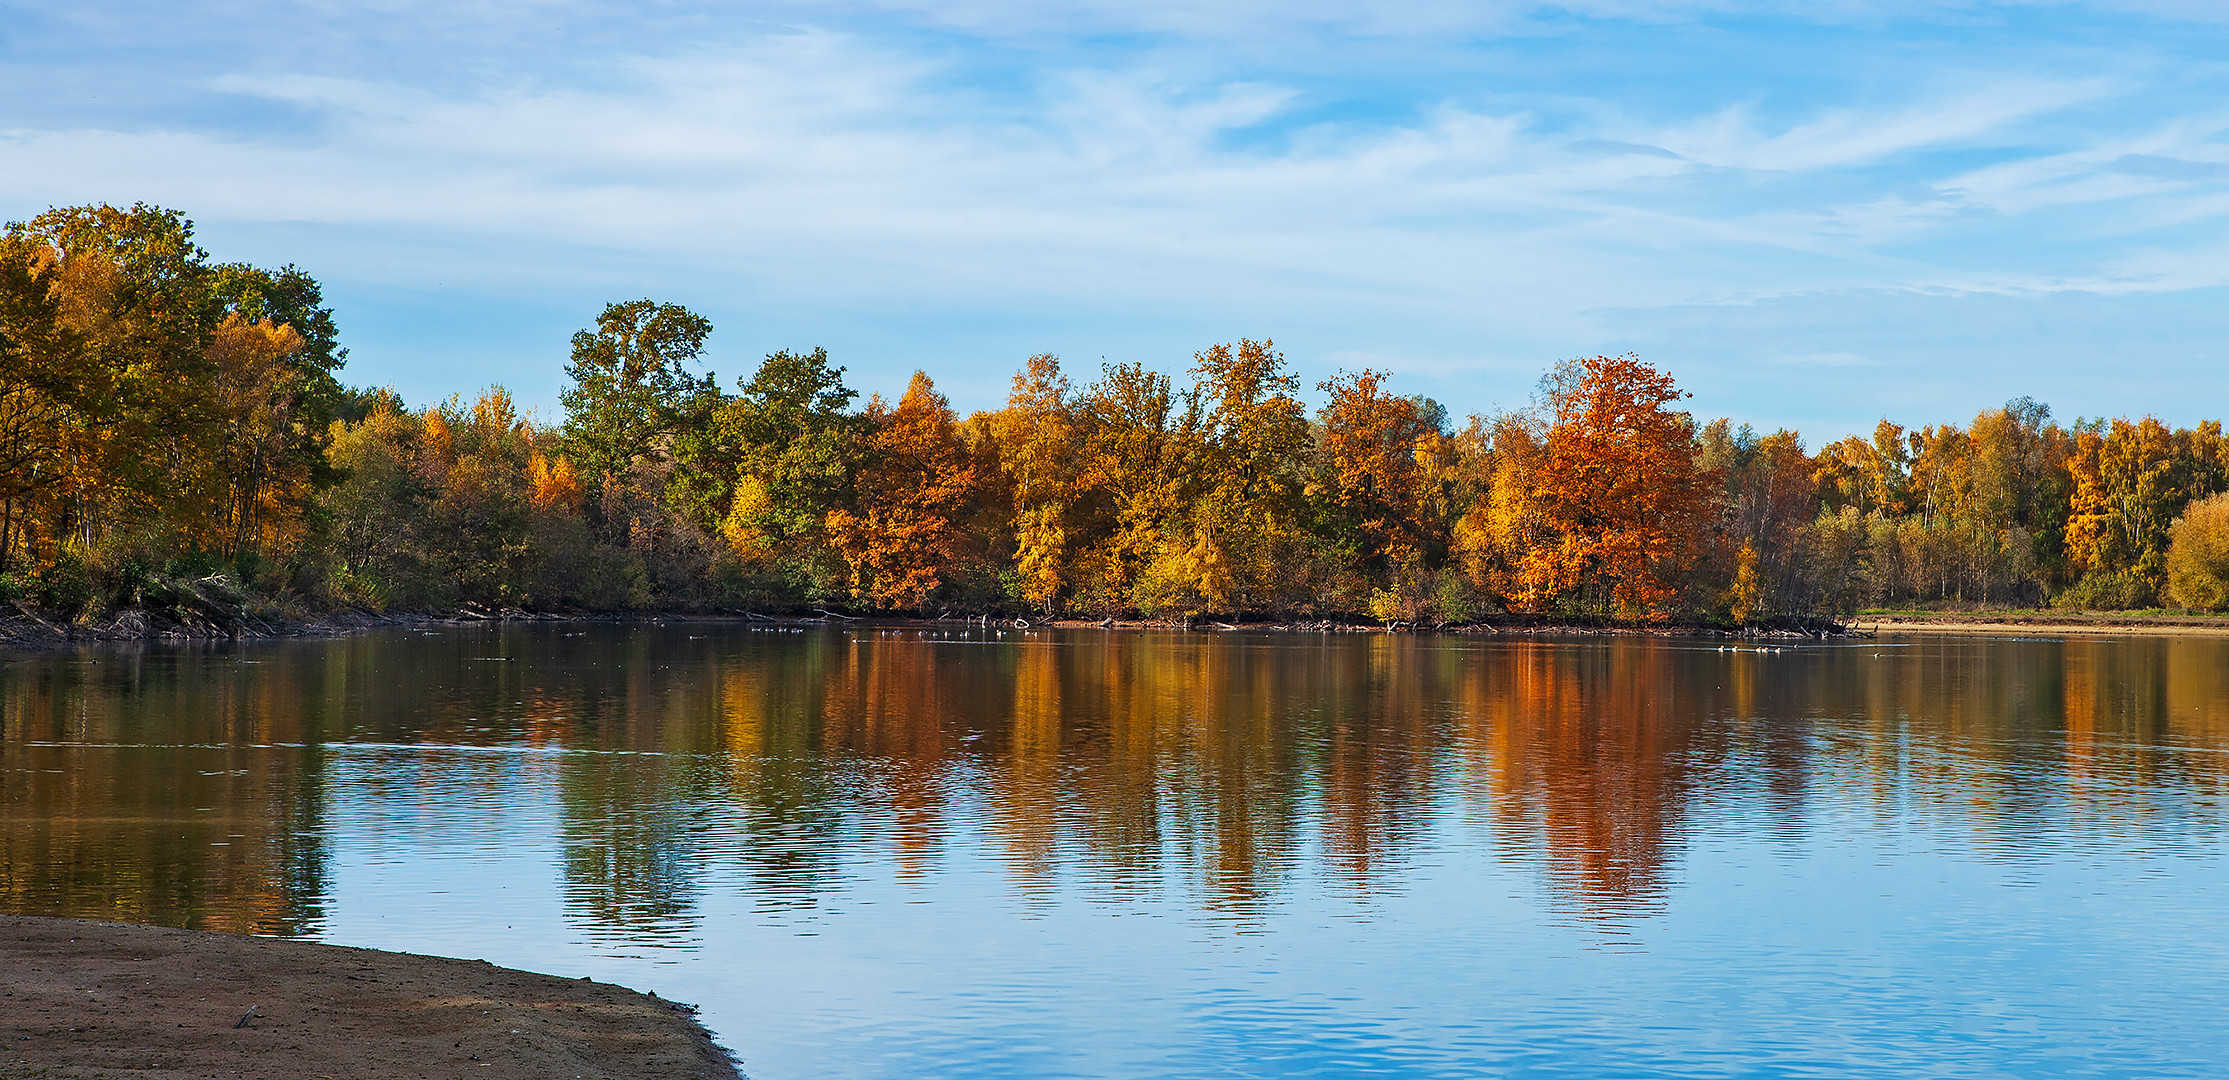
(1134, 443)
(2198, 557)
(1244, 538)
(264, 489)
(1039, 443)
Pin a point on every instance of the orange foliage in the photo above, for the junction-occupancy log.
(1375, 447)
(917, 481)
(2126, 492)
(1617, 490)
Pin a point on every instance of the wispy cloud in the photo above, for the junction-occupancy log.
(1846, 137)
(1485, 198)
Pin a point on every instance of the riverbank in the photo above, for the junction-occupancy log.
(91, 999)
(28, 631)
(2031, 622)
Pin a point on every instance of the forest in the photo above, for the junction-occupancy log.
(175, 437)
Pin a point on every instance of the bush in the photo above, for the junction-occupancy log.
(2106, 590)
(1456, 601)
(63, 587)
(2198, 555)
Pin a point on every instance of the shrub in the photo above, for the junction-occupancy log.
(2106, 590)
(2198, 555)
(63, 587)
(1456, 601)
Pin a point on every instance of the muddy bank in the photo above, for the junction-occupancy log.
(91, 999)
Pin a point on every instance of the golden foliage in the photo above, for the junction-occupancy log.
(154, 405)
(555, 486)
(2198, 558)
(2125, 488)
(1039, 444)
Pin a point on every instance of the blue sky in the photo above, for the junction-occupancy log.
(1812, 214)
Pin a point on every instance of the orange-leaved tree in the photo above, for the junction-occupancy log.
(1617, 495)
(264, 488)
(916, 483)
(1375, 451)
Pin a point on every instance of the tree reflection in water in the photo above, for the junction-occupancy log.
(192, 786)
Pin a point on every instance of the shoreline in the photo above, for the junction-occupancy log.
(2021, 622)
(90, 999)
(31, 634)
(27, 632)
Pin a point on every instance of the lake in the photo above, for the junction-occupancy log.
(980, 853)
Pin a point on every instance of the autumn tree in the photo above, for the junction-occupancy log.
(1871, 475)
(1767, 499)
(1039, 440)
(902, 540)
(133, 288)
(1136, 439)
(155, 404)
(2198, 555)
(474, 460)
(268, 456)
(1620, 502)
(41, 383)
(1501, 521)
(1377, 451)
(376, 536)
(2130, 480)
(1246, 524)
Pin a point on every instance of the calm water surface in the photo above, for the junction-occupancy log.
(896, 854)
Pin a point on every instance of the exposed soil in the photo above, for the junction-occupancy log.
(92, 999)
(2031, 622)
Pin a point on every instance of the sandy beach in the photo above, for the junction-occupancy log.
(93, 999)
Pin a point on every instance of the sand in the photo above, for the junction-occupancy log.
(93, 999)
(2045, 625)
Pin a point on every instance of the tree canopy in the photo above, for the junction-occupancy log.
(166, 418)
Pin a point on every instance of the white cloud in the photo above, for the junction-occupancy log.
(811, 159)
(1849, 137)
(873, 160)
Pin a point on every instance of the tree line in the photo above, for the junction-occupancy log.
(173, 427)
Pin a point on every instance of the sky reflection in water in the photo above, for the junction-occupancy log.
(880, 853)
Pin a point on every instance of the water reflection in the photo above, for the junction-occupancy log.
(142, 787)
(191, 786)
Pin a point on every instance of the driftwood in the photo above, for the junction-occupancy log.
(34, 617)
